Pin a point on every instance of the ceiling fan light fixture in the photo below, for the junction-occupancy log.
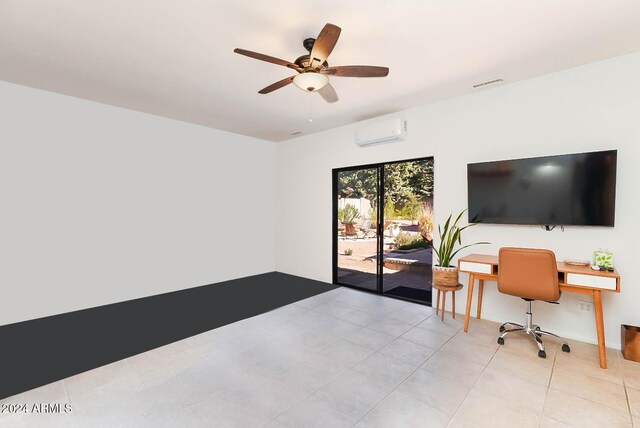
(310, 81)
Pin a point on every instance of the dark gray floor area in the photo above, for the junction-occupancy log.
(44, 350)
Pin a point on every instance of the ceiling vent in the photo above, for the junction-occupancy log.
(488, 82)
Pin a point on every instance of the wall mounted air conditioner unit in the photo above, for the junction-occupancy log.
(382, 132)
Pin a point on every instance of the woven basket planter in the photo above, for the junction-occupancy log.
(445, 276)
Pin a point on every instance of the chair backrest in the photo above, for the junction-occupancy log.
(366, 225)
(528, 273)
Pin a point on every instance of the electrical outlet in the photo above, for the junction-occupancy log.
(585, 306)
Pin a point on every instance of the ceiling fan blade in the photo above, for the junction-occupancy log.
(267, 58)
(279, 84)
(328, 93)
(356, 71)
(324, 44)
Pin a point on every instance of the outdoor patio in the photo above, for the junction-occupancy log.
(403, 268)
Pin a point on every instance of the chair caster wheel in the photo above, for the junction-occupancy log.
(501, 341)
(565, 348)
(542, 354)
(502, 329)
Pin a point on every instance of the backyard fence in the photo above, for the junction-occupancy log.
(362, 204)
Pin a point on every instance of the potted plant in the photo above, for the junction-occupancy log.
(450, 235)
(346, 216)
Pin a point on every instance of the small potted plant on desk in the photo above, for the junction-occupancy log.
(450, 235)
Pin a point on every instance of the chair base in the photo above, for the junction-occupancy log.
(533, 330)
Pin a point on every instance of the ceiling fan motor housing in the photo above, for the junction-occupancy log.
(304, 62)
(308, 43)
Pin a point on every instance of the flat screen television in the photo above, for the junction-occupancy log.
(575, 189)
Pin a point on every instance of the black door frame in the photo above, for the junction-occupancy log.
(380, 208)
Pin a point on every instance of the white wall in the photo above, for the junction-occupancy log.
(593, 107)
(101, 204)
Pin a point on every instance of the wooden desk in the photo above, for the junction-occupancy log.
(573, 279)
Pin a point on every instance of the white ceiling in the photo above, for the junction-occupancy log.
(175, 58)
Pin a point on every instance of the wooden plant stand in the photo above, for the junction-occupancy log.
(444, 289)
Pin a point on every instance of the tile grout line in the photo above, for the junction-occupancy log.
(346, 369)
(588, 399)
(366, 326)
(312, 394)
(409, 375)
(473, 386)
(483, 371)
(626, 393)
(370, 329)
(66, 391)
(546, 395)
(593, 401)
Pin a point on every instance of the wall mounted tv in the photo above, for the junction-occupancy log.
(576, 189)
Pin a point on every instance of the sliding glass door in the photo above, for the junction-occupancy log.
(382, 220)
(356, 233)
(408, 223)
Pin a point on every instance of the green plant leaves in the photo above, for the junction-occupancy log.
(348, 214)
(603, 258)
(450, 236)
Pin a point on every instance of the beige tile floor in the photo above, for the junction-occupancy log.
(342, 359)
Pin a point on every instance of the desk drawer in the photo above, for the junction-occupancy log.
(593, 281)
(475, 267)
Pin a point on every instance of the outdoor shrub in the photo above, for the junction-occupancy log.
(389, 209)
(404, 238)
(348, 252)
(415, 244)
(348, 214)
(373, 215)
(425, 219)
(407, 241)
(411, 208)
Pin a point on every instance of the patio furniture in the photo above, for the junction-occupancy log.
(367, 231)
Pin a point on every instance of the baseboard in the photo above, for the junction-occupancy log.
(612, 344)
(45, 350)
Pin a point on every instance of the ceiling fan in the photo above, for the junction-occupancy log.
(313, 68)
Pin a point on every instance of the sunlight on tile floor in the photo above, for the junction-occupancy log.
(346, 358)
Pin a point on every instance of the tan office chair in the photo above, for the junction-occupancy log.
(530, 274)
